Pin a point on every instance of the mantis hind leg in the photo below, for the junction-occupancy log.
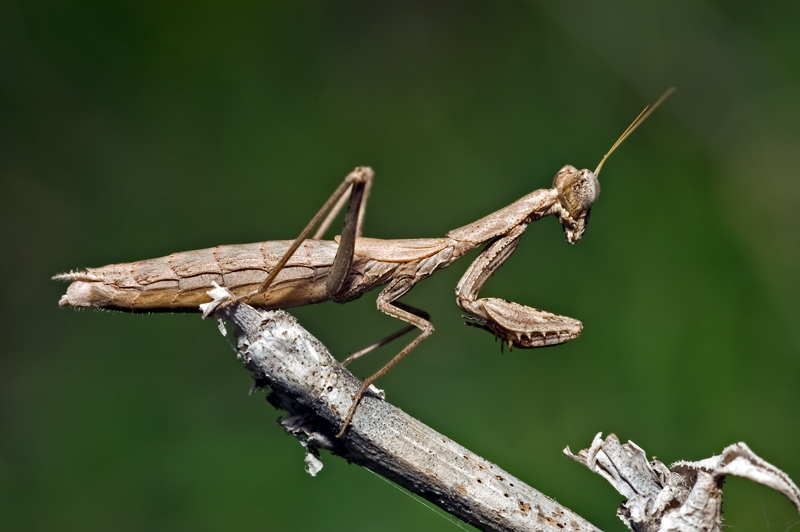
(357, 183)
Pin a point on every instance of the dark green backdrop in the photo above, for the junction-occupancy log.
(133, 129)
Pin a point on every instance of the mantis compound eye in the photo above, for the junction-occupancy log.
(585, 190)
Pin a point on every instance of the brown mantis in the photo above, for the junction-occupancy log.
(284, 274)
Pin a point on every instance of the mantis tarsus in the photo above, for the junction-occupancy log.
(284, 274)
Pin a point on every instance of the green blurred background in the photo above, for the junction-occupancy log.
(134, 129)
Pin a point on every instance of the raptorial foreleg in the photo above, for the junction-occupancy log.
(516, 324)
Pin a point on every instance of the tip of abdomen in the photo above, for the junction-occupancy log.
(83, 293)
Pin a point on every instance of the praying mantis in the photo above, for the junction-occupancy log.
(307, 270)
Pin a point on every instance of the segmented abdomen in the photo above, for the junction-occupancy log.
(179, 282)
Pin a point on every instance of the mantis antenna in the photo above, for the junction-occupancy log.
(639, 119)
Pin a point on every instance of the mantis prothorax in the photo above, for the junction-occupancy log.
(284, 274)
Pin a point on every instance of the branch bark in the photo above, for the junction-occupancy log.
(317, 391)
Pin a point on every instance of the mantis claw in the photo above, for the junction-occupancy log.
(522, 326)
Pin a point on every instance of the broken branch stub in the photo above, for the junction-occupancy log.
(686, 497)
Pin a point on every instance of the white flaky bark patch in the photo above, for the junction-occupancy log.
(220, 296)
(317, 392)
(685, 497)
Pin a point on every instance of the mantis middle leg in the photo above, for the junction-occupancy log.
(416, 318)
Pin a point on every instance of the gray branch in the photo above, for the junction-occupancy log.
(317, 392)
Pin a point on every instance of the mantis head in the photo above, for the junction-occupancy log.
(577, 190)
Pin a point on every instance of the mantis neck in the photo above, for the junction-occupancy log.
(531, 207)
